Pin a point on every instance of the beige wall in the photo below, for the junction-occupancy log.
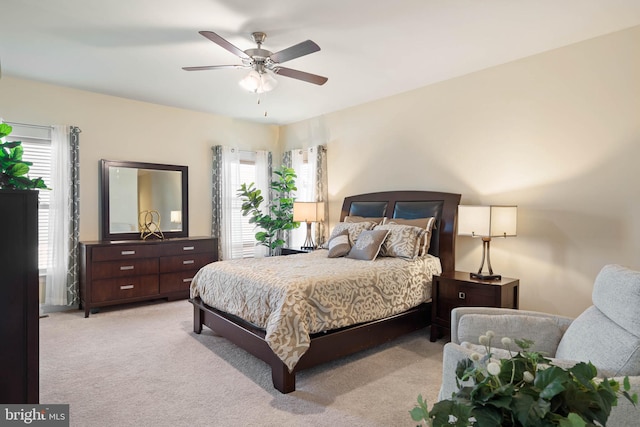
(558, 134)
(120, 129)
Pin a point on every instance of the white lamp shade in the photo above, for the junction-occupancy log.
(487, 221)
(176, 216)
(258, 82)
(308, 211)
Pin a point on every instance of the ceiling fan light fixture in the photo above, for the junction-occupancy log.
(257, 82)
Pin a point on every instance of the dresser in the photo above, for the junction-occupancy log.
(458, 289)
(118, 272)
(19, 305)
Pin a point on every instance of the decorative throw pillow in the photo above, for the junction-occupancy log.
(427, 224)
(403, 241)
(353, 228)
(355, 218)
(339, 245)
(368, 245)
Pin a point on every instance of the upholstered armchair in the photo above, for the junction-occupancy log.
(607, 334)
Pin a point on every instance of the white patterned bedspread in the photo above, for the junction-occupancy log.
(294, 296)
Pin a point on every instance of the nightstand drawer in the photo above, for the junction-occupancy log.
(124, 288)
(466, 294)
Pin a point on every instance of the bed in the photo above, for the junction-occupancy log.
(305, 340)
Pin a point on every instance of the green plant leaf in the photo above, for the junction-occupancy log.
(5, 130)
(18, 169)
(572, 420)
(550, 381)
(16, 152)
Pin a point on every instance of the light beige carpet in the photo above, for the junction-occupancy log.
(143, 366)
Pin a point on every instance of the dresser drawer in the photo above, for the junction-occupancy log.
(172, 282)
(132, 267)
(170, 264)
(188, 247)
(119, 252)
(124, 288)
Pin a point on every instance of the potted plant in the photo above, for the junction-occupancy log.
(279, 215)
(13, 170)
(524, 390)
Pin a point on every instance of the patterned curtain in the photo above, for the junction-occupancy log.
(216, 196)
(321, 190)
(73, 273)
(62, 268)
(312, 187)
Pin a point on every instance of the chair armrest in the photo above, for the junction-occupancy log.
(625, 414)
(452, 353)
(546, 330)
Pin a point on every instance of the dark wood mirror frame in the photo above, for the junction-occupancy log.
(106, 232)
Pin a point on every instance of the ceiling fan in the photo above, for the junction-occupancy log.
(263, 62)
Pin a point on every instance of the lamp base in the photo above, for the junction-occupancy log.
(480, 276)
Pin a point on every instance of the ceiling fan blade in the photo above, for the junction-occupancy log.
(295, 51)
(213, 67)
(225, 44)
(300, 75)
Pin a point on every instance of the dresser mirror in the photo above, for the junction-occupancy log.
(134, 193)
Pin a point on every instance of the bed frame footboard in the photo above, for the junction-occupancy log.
(324, 347)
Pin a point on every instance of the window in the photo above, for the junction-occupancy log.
(242, 227)
(36, 142)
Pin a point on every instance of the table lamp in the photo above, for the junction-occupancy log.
(308, 212)
(487, 222)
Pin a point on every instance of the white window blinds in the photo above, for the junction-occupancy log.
(36, 142)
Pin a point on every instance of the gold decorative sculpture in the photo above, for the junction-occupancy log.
(149, 222)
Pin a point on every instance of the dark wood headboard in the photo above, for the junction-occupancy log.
(414, 204)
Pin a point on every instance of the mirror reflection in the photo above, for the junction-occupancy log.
(133, 191)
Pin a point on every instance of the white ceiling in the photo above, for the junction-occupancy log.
(370, 49)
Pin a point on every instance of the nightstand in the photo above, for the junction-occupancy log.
(458, 289)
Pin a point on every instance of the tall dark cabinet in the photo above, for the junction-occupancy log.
(19, 308)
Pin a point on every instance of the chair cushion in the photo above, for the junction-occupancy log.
(544, 332)
(593, 337)
(616, 293)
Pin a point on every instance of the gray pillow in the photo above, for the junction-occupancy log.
(368, 244)
(339, 244)
(353, 228)
(403, 240)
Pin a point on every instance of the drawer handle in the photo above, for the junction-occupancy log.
(127, 252)
(461, 295)
(127, 267)
(188, 248)
(189, 261)
(123, 287)
(187, 280)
